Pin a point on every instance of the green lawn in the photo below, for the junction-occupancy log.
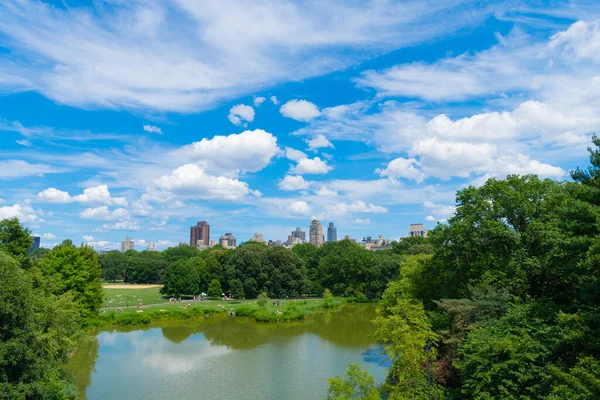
(119, 297)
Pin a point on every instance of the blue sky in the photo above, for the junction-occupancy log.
(140, 118)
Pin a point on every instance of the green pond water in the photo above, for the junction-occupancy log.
(228, 358)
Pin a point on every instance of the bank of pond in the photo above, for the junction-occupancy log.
(227, 357)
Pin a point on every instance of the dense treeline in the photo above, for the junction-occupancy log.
(509, 298)
(344, 267)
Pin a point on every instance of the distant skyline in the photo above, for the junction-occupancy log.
(140, 119)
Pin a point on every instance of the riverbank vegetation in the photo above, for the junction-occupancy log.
(506, 306)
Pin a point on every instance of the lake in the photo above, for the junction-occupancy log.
(229, 358)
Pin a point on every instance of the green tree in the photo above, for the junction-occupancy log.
(113, 265)
(181, 252)
(38, 330)
(214, 289)
(181, 277)
(359, 384)
(327, 297)
(14, 239)
(236, 289)
(76, 270)
(262, 300)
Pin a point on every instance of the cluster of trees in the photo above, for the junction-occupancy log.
(45, 298)
(344, 267)
(509, 297)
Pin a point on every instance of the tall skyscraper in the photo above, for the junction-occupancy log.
(200, 232)
(35, 244)
(316, 233)
(152, 246)
(127, 244)
(417, 230)
(228, 241)
(331, 233)
(300, 234)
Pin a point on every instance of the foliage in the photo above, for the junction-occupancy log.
(75, 270)
(144, 266)
(113, 265)
(359, 384)
(236, 289)
(38, 329)
(14, 239)
(327, 297)
(214, 289)
(262, 300)
(181, 277)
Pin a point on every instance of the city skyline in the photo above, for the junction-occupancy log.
(346, 121)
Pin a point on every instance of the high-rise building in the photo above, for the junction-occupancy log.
(127, 244)
(258, 238)
(35, 245)
(417, 230)
(228, 241)
(316, 233)
(152, 246)
(331, 233)
(299, 233)
(200, 232)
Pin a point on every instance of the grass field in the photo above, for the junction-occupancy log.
(132, 293)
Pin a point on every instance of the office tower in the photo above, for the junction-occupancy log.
(126, 245)
(417, 230)
(35, 245)
(316, 233)
(228, 241)
(152, 246)
(331, 233)
(257, 238)
(300, 234)
(200, 232)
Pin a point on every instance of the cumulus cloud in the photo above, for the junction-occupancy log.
(153, 129)
(88, 238)
(122, 226)
(23, 212)
(249, 151)
(357, 206)
(430, 218)
(311, 166)
(440, 211)
(362, 221)
(192, 181)
(293, 182)
(99, 195)
(317, 142)
(274, 100)
(52, 195)
(46, 236)
(300, 110)
(299, 208)
(258, 100)
(403, 168)
(103, 213)
(294, 155)
(241, 114)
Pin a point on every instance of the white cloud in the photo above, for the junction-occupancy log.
(241, 114)
(274, 100)
(299, 208)
(46, 236)
(258, 100)
(249, 151)
(324, 191)
(300, 110)
(122, 226)
(430, 218)
(311, 166)
(317, 142)
(362, 221)
(581, 41)
(99, 195)
(403, 168)
(153, 129)
(23, 212)
(103, 213)
(294, 155)
(18, 168)
(293, 182)
(440, 211)
(191, 181)
(52, 195)
(88, 238)
(358, 206)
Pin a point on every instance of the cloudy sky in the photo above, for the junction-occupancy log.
(142, 117)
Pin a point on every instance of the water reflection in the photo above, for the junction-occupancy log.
(228, 357)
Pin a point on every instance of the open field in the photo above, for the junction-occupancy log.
(119, 295)
(129, 286)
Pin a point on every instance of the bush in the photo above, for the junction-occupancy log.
(262, 300)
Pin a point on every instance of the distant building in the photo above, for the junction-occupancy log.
(347, 237)
(213, 243)
(272, 243)
(292, 241)
(417, 230)
(200, 232)
(35, 245)
(331, 233)
(258, 238)
(152, 246)
(127, 245)
(228, 241)
(316, 233)
(300, 234)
